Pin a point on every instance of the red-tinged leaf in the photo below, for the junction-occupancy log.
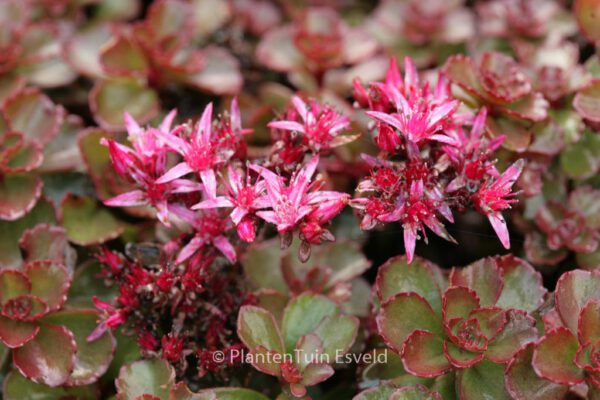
(83, 49)
(523, 287)
(381, 392)
(315, 373)
(10, 232)
(92, 358)
(110, 99)
(262, 266)
(17, 387)
(18, 194)
(589, 323)
(548, 139)
(554, 358)
(220, 75)
(33, 114)
(26, 159)
(461, 358)
(517, 136)
(51, 73)
(587, 101)
(482, 276)
(50, 281)
(423, 355)
(121, 56)
(398, 276)
(585, 200)
(277, 51)
(263, 360)
(44, 242)
(231, 393)
(257, 327)
(532, 108)
(151, 377)
(538, 252)
(519, 331)
(402, 315)
(49, 358)
(461, 71)
(62, 154)
(573, 290)
(491, 320)
(415, 392)
(15, 334)
(484, 381)
(458, 302)
(10, 84)
(523, 383)
(587, 13)
(210, 15)
(13, 283)
(88, 223)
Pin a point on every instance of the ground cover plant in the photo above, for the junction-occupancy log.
(268, 199)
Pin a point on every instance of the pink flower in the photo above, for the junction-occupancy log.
(493, 197)
(290, 204)
(210, 228)
(418, 209)
(420, 114)
(111, 318)
(320, 124)
(203, 149)
(143, 165)
(244, 197)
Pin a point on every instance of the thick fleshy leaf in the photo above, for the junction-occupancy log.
(523, 287)
(45, 242)
(589, 323)
(398, 276)
(15, 334)
(423, 355)
(587, 101)
(11, 231)
(581, 160)
(482, 276)
(404, 314)
(231, 393)
(18, 194)
(123, 57)
(461, 71)
(458, 302)
(49, 358)
(50, 281)
(277, 51)
(344, 258)
(13, 283)
(92, 358)
(26, 159)
(110, 99)
(88, 223)
(484, 381)
(83, 49)
(10, 84)
(380, 392)
(585, 200)
(416, 392)
(85, 281)
(62, 153)
(523, 383)
(517, 136)
(262, 266)
(538, 252)
(315, 373)
(573, 290)
(33, 114)
(17, 387)
(459, 357)
(533, 107)
(337, 334)
(151, 377)
(220, 75)
(554, 358)
(257, 327)
(587, 13)
(302, 315)
(519, 331)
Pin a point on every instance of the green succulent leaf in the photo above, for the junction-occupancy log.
(554, 358)
(17, 387)
(573, 290)
(482, 276)
(146, 377)
(337, 334)
(482, 382)
(257, 327)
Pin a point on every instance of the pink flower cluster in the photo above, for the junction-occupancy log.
(233, 192)
(428, 164)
